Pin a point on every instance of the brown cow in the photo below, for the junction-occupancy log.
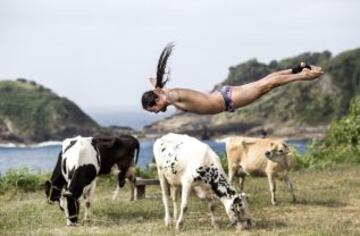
(263, 157)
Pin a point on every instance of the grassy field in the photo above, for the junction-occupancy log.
(328, 204)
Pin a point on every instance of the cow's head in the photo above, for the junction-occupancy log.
(70, 205)
(237, 211)
(277, 150)
(53, 193)
(54, 186)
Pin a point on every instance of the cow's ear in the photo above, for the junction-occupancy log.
(67, 194)
(246, 196)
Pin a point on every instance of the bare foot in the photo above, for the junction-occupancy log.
(314, 73)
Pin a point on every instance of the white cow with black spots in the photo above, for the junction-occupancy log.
(183, 161)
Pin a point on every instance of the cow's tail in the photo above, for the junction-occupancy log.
(137, 151)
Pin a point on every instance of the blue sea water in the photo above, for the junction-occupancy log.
(42, 158)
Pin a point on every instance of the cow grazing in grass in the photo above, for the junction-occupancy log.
(259, 156)
(183, 161)
(74, 175)
(117, 155)
(78, 164)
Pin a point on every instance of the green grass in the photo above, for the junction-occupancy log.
(328, 204)
(22, 179)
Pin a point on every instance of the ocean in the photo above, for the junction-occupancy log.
(42, 157)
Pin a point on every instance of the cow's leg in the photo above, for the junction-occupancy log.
(231, 173)
(164, 191)
(116, 171)
(121, 178)
(173, 191)
(289, 187)
(185, 192)
(88, 195)
(131, 180)
(242, 176)
(116, 192)
(272, 185)
(211, 211)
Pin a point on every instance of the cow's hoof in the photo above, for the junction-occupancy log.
(273, 203)
(246, 225)
(178, 225)
(167, 222)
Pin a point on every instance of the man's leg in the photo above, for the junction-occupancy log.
(248, 93)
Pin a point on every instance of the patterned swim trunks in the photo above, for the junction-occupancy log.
(226, 92)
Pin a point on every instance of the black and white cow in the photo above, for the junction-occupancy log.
(79, 162)
(183, 161)
(117, 155)
(74, 174)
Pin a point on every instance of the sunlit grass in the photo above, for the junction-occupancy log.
(328, 204)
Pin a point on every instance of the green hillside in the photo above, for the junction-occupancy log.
(31, 112)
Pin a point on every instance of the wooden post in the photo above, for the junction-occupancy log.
(139, 192)
(140, 186)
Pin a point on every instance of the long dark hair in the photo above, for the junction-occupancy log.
(161, 67)
(149, 98)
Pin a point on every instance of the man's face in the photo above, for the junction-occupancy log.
(159, 106)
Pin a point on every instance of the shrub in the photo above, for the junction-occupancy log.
(340, 145)
(147, 173)
(21, 179)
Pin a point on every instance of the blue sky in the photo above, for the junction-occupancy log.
(100, 53)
